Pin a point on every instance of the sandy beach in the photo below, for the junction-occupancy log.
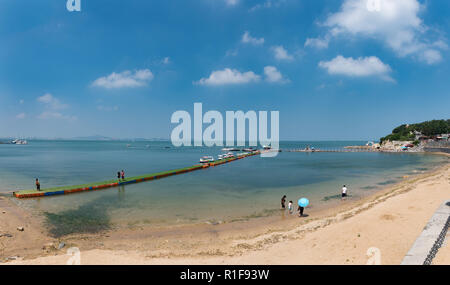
(388, 221)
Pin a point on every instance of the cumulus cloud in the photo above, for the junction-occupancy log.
(281, 53)
(124, 79)
(319, 43)
(228, 76)
(53, 107)
(247, 38)
(52, 102)
(396, 23)
(273, 75)
(360, 67)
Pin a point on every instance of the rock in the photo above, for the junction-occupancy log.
(6, 235)
(20, 229)
(4, 212)
(61, 245)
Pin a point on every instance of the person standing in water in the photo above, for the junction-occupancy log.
(283, 202)
(38, 185)
(123, 175)
(344, 192)
(290, 208)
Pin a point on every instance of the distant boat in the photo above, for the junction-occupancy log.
(19, 141)
(230, 149)
(206, 159)
(267, 147)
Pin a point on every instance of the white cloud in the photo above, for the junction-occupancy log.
(231, 2)
(431, 56)
(360, 67)
(123, 79)
(21, 116)
(52, 102)
(319, 43)
(281, 54)
(56, 115)
(273, 75)
(396, 23)
(228, 76)
(246, 38)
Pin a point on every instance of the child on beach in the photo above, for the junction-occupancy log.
(290, 208)
(38, 185)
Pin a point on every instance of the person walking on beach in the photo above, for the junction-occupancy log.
(123, 175)
(118, 175)
(38, 185)
(344, 192)
(300, 209)
(283, 202)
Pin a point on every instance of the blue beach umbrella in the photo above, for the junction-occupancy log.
(303, 202)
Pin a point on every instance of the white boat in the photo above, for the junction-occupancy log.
(267, 147)
(221, 156)
(206, 159)
(229, 155)
(19, 141)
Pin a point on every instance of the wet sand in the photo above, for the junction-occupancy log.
(389, 220)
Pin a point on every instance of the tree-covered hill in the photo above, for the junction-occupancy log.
(428, 128)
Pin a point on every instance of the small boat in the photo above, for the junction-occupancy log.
(267, 147)
(221, 156)
(230, 149)
(249, 149)
(19, 141)
(206, 159)
(230, 154)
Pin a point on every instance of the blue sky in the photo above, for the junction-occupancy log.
(333, 69)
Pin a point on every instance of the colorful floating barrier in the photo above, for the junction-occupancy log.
(115, 183)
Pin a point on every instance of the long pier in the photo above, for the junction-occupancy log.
(115, 183)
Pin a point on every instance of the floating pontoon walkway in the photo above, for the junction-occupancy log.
(115, 183)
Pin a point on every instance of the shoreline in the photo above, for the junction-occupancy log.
(205, 243)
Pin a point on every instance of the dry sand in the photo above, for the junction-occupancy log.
(390, 221)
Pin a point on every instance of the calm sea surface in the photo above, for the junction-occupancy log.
(246, 188)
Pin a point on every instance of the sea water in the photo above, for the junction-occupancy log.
(246, 188)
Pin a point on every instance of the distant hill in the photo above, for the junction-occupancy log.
(407, 132)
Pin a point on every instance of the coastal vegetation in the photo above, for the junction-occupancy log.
(409, 132)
